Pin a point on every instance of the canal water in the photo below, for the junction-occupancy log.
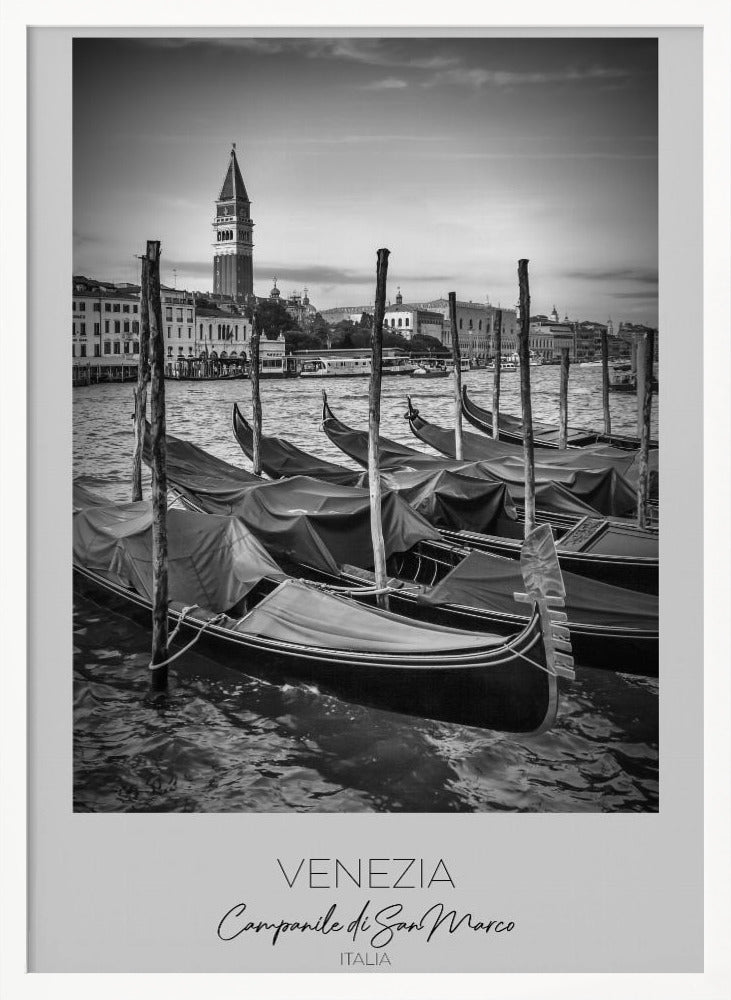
(230, 742)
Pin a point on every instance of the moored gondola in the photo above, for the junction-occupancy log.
(321, 531)
(228, 592)
(472, 509)
(568, 463)
(545, 435)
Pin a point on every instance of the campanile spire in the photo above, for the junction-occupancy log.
(233, 229)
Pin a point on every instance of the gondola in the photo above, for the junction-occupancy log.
(322, 532)
(226, 590)
(472, 511)
(545, 435)
(484, 448)
(594, 491)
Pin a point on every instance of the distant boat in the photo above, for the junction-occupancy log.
(335, 367)
(430, 371)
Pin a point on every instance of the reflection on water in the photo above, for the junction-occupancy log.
(226, 742)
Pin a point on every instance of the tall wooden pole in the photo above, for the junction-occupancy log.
(605, 383)
(143, 378)
(255, 395)
(457, 378)
(374, 426)
(563, 400)
(643, 481)
(524, 354)
(641, 385)
(498, 356)
(159, 675)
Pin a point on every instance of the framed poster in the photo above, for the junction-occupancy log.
(262, 820)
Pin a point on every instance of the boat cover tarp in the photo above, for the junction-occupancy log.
(452, 499)
(481, 448)
(281, 459)
(603, 493)
(301, 519)
(212, 561)
(296, 613)
(603, 487)
(485, 581)
(446, 498)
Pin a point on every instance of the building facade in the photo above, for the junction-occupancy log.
(105, 323)
(233, 248)
(476, 326)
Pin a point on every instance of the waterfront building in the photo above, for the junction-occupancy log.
(233, 247)
(547, 337)
(476, 325)
(412, 320)
(105, 323)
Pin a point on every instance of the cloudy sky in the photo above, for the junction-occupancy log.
(459, 155)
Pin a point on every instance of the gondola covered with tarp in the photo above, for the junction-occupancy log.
(610, 549)
(604, 634)
(483, 448)
(446, 498)
(602, 487)
(300, 519)
(615, 552)
(545, 435)
(565, 491)
(226, 591)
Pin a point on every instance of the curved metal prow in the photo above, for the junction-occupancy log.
(545, 588)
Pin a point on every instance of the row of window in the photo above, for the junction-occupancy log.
(116, 307)
(178, 314)
(230, 234)
(120, 326)
(110, 347)
(223, 331)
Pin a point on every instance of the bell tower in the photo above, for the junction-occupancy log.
(233, 247)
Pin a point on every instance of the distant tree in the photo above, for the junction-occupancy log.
(274, 319)
(421, 344)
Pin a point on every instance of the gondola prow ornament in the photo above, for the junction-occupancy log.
(545, 588)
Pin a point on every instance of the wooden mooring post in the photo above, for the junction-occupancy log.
(158, 674)
(143, 379)
(255, 395)
(457, 378)
(646, 355)
(498, 352)
(605, 383)
(374, 428)
(525, 400)
(563, 399)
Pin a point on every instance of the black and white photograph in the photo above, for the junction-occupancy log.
(366, 358)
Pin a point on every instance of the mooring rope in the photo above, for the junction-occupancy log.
(193, 641)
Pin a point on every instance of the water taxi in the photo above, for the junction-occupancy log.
(335, 367)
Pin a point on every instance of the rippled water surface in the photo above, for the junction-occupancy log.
(228, 742)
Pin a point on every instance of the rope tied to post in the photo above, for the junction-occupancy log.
(183, 614)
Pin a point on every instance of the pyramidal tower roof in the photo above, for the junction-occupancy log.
(233, 183)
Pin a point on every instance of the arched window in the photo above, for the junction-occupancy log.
(460, 322)
(479, 325)
(210, 331)
(399, 321)
(201, 330)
